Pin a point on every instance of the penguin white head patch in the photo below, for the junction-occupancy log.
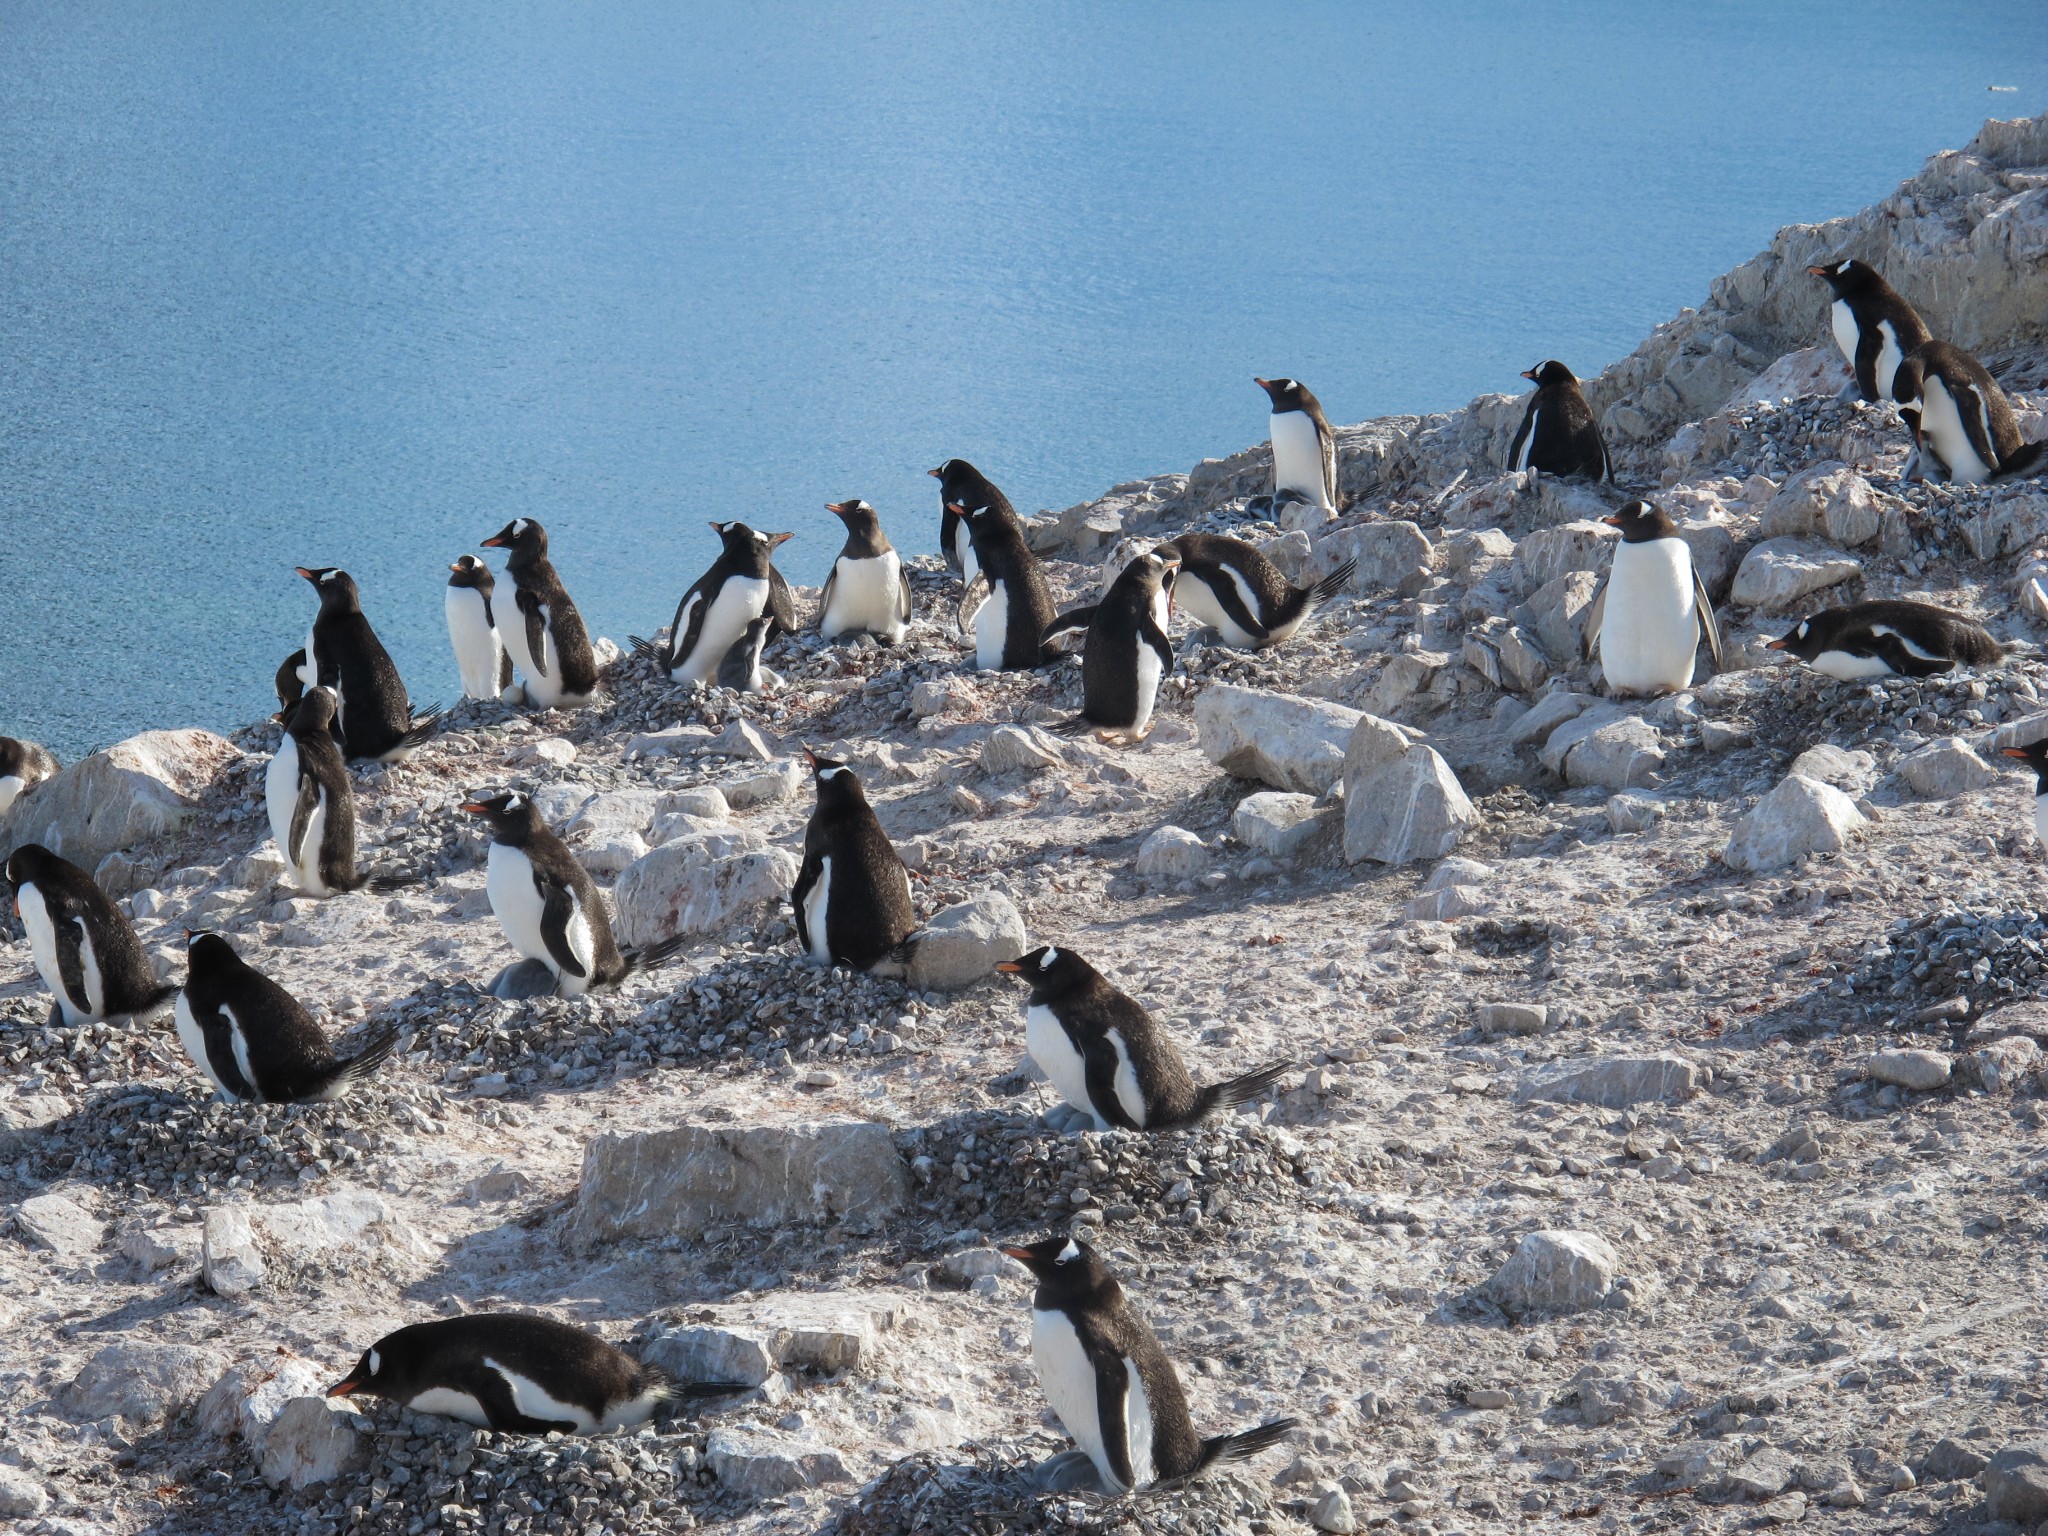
(329, 576)
(1068, 1254)
(1799, 632)
(1842, 269)
(376, 1362)
(833, 772)
(519, 527)
(514, 802)
(1045, 963)
(760, 537)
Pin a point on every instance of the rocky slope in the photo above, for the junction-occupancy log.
(1666, 1146)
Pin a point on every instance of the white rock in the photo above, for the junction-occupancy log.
(1800, 816)
(142, 1383)
(742, 740)
(1549, 553)
(1333, 1512)
(1945, 768)
(704, 802)
(1634, 813)
(343, 1218)
(748, 1341)
(1777, 573)
(609, 830)
(1915, 1069)
(62, 1226)
(681, 1181)
(1458, 871)
(1449, 903)
(962, 943)
(21, 1496)
(228, 1255)
(1387, 553)
(775, 784)
(1511, 1018)
(1613, 1082)
(1852, 772)
(1277, 823)
(1550, 714)
(1610, 753)
(1411, 808)
(943, 695)
(1172, 853)
(1407, 674)
(557, 751)
(1280, 739)
(132, 792)
(1560, 608)
(2000, 1066)
(758, 1463)
(257, 871)
(699, 884)
(156, 1248)
(1556, 1271)
(1011, 750)
(673, 742)
(312, 1441)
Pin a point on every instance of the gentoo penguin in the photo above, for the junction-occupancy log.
(1007, 624)
(82, 944)
(1651, 609)
(549, 906)
(868, 589)
(480, 654)
(373, 718)
(291, 685)
(740, 586)
(962, 485)
(311, 802)
(1885, 639)
(1108, 1058)
(1558, 434)
(741, 668)
(1961, 416)
(512, 1371)
(1128, 648)
(1111, 1384)
(254, 1041)
(1304, 447)
(852, 895)
(2035, 756)
(1874, 327)
(23, 765)
(545, 636)
(1230, 586)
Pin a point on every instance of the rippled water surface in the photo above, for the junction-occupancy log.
(354, 284)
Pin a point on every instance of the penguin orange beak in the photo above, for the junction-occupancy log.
(473, 808)
(809, 756)
(2012, 751)
(957, 508)
(841, 508)
(777, 540)
(1816, 271)
(348, 1386)
(935, 474)
(1774, 645)
(1613, 521)
(1262, 383)
(455, 567)
(305, 573)
(1529, 374)
(1022, 1255)
(1010, 968)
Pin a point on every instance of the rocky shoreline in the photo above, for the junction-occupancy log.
(1667, 1146)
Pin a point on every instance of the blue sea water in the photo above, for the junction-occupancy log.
(325, 284)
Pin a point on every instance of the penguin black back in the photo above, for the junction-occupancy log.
(255, 1040)
(852, 893)
(375, 717)
(290, 685)
(1959, 410)
(323, 786)
(1128, 649)
(23, 765)
(1232, 587)
(962, 485)
(83, 945)
(1873, 325)
(1558, 434)
(1017, 580)
(549, 622)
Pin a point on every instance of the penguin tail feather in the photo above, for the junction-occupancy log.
(1245, 1444)
(384, 885)
(646, 957)
(426, 724)
(652, 650)
(1233, 1091)
(1332, 584)
(1077, 725)
(154, 999)
(2025, 460)
(689, 1391)
(375, 1052)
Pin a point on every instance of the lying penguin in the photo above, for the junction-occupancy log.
(1961, 419)
(1888, 639)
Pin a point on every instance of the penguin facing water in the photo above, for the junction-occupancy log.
(962, 485)
(1652, 609)
(82, 944)
(1128, 648)
(23, 765)
(1233, 588)
(1113, 1387)
(254, 1041)
(1009, 622)
(480, 654)
(1558, 434)
(740, 587)
(1958, 413)
(1873, 326)
(373, 718)
(1304, 447)
(868, 590)
(544, 633)
(852, 894)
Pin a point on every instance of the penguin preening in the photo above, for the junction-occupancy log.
(82, 944)
(1230, 586)
(1111, 1384)
(513, 1371)
(1887, 639)
(1009, 623)
(312, 804)
(741, 667)
(868, 590)
(1107, 1057)
(547, 904)
(23, 765)
(1558, 434)
(962, 485)
(1959, 414)
(545, 636)
(852, 895)
(740, 587)
(373, 718)
(1652, 608)
(2035, 756)
(254, 1041)
(1128, 648)
(1873, 326)
(480, 654)
(1304, 447)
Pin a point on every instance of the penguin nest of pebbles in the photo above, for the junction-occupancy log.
(1987, 956)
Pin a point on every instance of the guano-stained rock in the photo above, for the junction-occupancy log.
(698, 884)
(1555, 1272)
(1280, 739)
(139, 789)
(1408, 809)
(1799, 817)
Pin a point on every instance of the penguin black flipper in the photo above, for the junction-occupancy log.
(302, 816)
(493, 1394)
(1522, 433)
(1893, 651)
(806, 877)
(1230, 599)
(1112, 1399)
(535, 614)
(1709, 626)
(219, 1038)
(1329, 442)
(964, 615)
(781, 604)
(1099, 1065)
(904, 603)
(1151, 634)
(1061, 630)
(1975, 413)
(688, 624)
(68, 928)
(824, 594)
(1596, 612)
(558, 905)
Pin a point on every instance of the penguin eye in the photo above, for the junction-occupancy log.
(1045, 960)
(376, 1362)
(1068, 1254)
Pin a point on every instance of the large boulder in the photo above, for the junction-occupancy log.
(699, 883)
(1387, 554)
(1408, 809)
(680, 1182)
(1830, 500)
(2015, 1483)
(609, 831)
(1280, 739)
(1555, 1271)
(61, 1226)
(142, 1383)
(961, 945)
(280, 1411)
(130, 793)
(1779, 574)
(229, 1257)
(1277, 823)
(1799, 817)
(1606, 747)
(1549, 553)
(1946, 768)
(757, 1463)
(1172, 853)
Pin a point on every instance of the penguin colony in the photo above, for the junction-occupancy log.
(1113, 1066)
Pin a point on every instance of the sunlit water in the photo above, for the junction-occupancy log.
(353, 287)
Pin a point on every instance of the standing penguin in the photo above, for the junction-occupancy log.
(1873, 325)
(290, 683)
(741, 669)
(1128, 648)
(1888, 639)
(252, 1038)
(2035, 756)
(373, 718)
(1107, 1057)
(1960, 415)
(1304, 447)
(1230, 586)
(547, 904)
(868, 589)
(480, 654)
(1651, 610)
(1111, 1384)
(545, 638)
(1558, 435)
(852, 895)
(1009, 622)
(82, 944)
(23, 765)
(962, 485)
(312, 804)
(740, 587)
(511, 1371)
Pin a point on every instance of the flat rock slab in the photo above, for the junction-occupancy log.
(142, 1383)
(761, 1463)
(1276, 822)
(1280, 739)
(1915, 1069)
(62, 1226)
(1778, 573)
(1615, 1082)
(679, 1182)
(750, 1341)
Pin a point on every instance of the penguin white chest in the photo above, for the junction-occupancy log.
(1047, 1041)
(281, 793)
(1850, 668)
(41, 927)
(2041, 820)
(1150, 670)
(1298, 457)
(1889, 355)
(963, 550)
(475, 640)
(1528, 437)
(1843, 319)
(739, 601)
(11, 786)
(866, 598)
(992, 628)
(516, 900)
(1942, 422)
(1067, 1376)
(817, 913)
(1651, 626)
